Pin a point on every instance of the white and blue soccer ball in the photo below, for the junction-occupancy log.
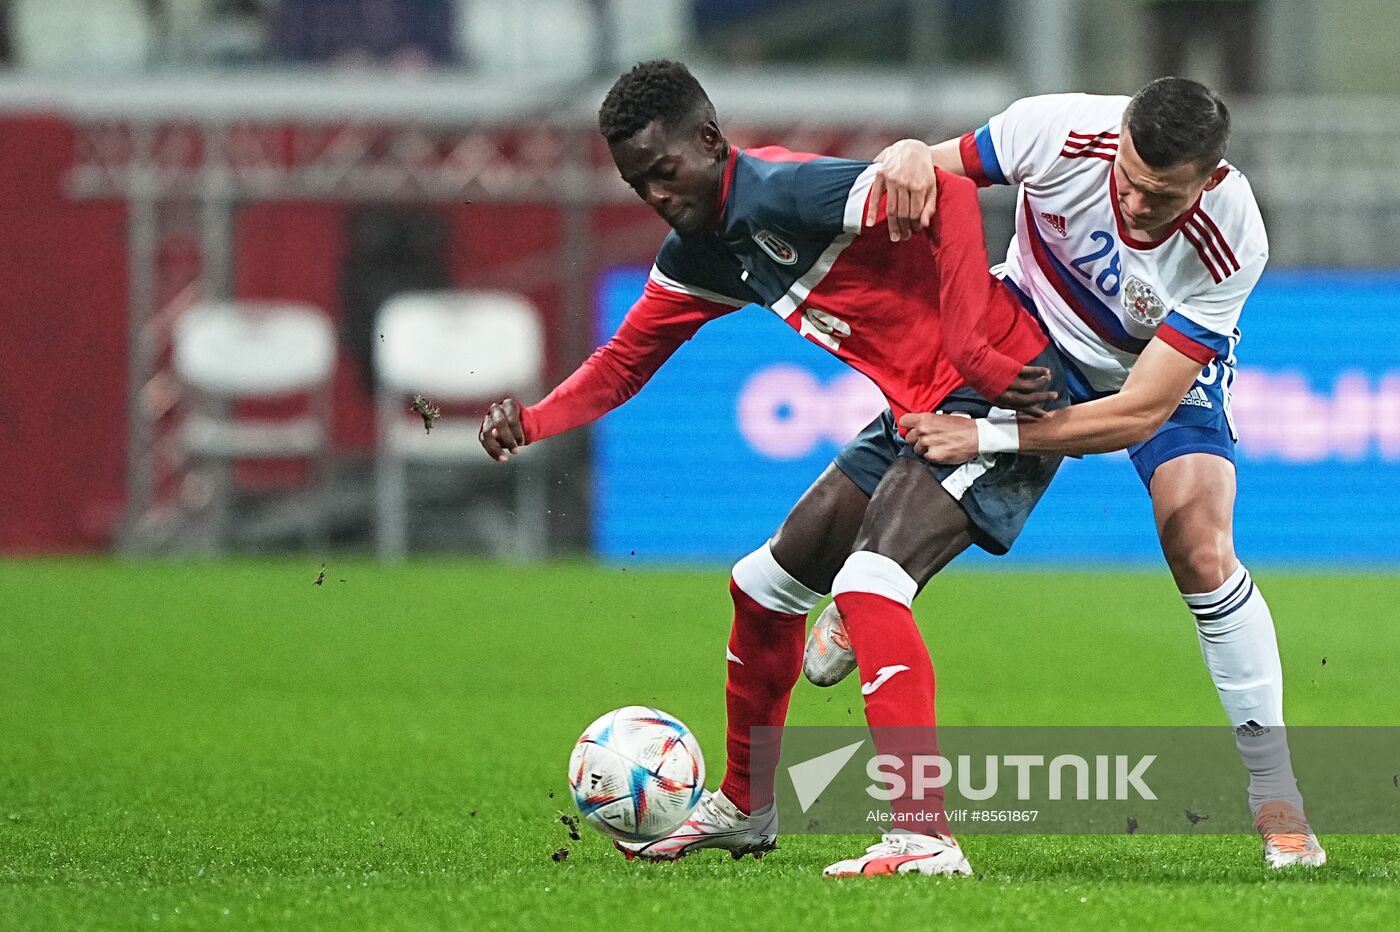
(636, 773)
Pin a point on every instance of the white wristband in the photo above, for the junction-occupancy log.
(998, 436)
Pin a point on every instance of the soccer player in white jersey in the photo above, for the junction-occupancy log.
(1136, 246)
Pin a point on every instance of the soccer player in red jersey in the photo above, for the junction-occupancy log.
(925, 321)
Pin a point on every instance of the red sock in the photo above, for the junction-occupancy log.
(765, 659)
(896, 676)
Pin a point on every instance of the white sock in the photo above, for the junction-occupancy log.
(771, 586)
(1241, 653)
(877, 574)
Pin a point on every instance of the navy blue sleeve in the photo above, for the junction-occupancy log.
(822, 190)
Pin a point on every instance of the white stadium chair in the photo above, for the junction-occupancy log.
(455, 347)
(224, 352)
(63, 36)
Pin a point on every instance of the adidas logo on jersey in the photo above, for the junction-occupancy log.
(1197, 396)
(1057, 222)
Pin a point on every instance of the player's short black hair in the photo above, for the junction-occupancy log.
(1177, 120)
(653, 90)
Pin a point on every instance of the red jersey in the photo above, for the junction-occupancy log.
(919, 318)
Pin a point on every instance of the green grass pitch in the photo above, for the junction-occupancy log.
(227, 745)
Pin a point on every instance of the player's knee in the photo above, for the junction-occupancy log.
(750, 575)
(876, 574)
(814, 562)
(762, 578)
(1203, 565)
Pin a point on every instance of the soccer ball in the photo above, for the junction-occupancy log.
(636, 773)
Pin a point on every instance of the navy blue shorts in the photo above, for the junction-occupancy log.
(1200, 424)
(997, 492)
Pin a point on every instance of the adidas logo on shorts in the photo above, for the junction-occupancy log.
(1197, 396)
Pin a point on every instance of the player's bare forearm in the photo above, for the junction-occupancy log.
(1155, 386)
(1077, 430)
(947, 155)
(1095, 427)
(941, 438)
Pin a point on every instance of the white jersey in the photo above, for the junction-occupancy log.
(1101, 293)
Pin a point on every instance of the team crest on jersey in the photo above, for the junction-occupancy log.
(778, 250)
(1142, 303)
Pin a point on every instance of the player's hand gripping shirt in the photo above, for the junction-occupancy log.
(918, 318)
(1101, 293)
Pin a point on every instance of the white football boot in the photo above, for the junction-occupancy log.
(715, 823)
(1288, 839)
(906, 853)
(828, 658)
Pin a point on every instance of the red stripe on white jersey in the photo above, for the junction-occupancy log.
(1081, 140)
(1188, 231)
(1219, 239)
(1083, 145)
(1089, 154)
(1209, 242)
(1072, 144)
